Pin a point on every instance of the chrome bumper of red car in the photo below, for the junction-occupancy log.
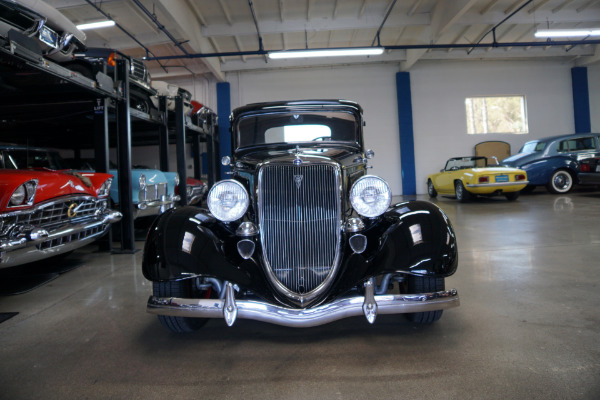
(231, 309)
(37, 243)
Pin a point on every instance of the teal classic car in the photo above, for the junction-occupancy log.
(153, 191)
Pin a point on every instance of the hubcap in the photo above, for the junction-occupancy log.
(562, 182)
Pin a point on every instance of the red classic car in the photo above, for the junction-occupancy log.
(196, 191)
(45, 213)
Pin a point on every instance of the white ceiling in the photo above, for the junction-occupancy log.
(227, 26)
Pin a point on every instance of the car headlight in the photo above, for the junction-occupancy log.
(176, 179)
(228, 200)
(24, 194)
(142, 181)
(370, 196)
(105, 188)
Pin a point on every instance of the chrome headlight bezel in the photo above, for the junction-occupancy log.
(228, 200)
(24, 194)
(104, 189)
(370, 196)
(142, 181)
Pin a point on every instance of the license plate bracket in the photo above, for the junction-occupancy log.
(49, 37)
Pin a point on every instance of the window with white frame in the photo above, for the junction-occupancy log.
(496, 114)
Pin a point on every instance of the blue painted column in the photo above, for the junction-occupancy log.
(223, 111)
(581, 100)
(407, 142)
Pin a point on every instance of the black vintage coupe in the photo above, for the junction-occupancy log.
(300, 235)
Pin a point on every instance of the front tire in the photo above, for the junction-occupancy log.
(462, 194)
(424, 284)
(185, 289)
(561, 182)
(431, 190)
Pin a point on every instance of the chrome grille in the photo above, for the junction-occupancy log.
(153, 192)
(300, 223)
(138, 69)
(57, 212)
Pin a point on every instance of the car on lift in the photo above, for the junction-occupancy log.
(553, 161)
(56, 35)
(46, 213)
(170, 91)
(468, 177)
(300, 235)
(92, 61)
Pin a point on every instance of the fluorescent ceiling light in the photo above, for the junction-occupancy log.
(366, 51)
(550, 33)
(96, 25)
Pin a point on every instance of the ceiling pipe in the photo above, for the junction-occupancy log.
(125, 32)
(260, 40)
(399, 47)
(387, 14)
(161, 27)
(493, 30)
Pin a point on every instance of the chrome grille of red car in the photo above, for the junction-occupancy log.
(300, 223)
(58, 212)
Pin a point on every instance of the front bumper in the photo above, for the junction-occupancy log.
(303, 318)
(38, 243)
(155, 207)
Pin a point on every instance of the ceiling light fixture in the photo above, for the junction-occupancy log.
(552, 33)
(96, 25)
(353, 51)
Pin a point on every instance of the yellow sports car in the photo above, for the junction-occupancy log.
(466, 177)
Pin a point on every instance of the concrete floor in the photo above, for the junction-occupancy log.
(528, 327)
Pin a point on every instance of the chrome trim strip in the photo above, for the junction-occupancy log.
(495, 184)
(304, 318)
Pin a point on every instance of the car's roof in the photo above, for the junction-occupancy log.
(309, 104)
(560, 137)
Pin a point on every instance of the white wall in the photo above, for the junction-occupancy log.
(438, 91)
(372, 86)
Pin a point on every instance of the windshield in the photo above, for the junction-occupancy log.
(30, 158)
(532, 147)
(297, 127)
(466, 162)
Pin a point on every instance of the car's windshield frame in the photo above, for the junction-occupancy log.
(334, 118)
(458, 163)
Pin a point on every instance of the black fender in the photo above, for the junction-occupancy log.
(414, 237)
